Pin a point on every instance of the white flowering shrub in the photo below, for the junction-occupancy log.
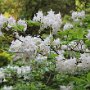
(51, 20)
(59, 59)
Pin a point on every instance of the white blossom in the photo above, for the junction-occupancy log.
(50, 20)
(56, 42)
(2, 76)
(20, 70)
(25, 47)
(41, 58)
(2, 20)
(48, 40)
(76, 16)
(88, 35)
(67, 26)
(77, 45)
(44, 49)
(7, 88)
(66, 88)
(15, 46)
(11, 22)
(25, 69)
(64, 47)
(60, 57)
(38, 17)
(85, 62)
(66, 66)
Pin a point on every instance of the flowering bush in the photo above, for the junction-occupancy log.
(51, 20)
(56, 60)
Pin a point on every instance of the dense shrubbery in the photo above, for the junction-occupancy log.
(27, 8)
(55, 57)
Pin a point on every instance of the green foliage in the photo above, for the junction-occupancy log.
(32, 6)
(18, 27)
(23, 86)
(5, 58)
(27, 8)
(11, 7)
(88, 78)
(32, 23)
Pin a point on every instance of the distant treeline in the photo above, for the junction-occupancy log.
(27, 8)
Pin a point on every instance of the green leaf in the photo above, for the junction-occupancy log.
(33, 23)
(88, 77)
(87, 42)
(19, 27)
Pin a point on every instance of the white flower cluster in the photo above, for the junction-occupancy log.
(88, 35)
(50, 20)
(67, 26)
(56, 42)
(25, 47)
(77, 45)
(20, 71)
(2, 75)
(2, 21)
(85, 62)
(76, 16)
(44, 46)
(40, 58)
(11, 22)
(66, 87)
(60, 57)
(67, 66)
(31, 47)
(72, 65)
(7, 88)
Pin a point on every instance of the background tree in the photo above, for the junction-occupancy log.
(27, 8)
